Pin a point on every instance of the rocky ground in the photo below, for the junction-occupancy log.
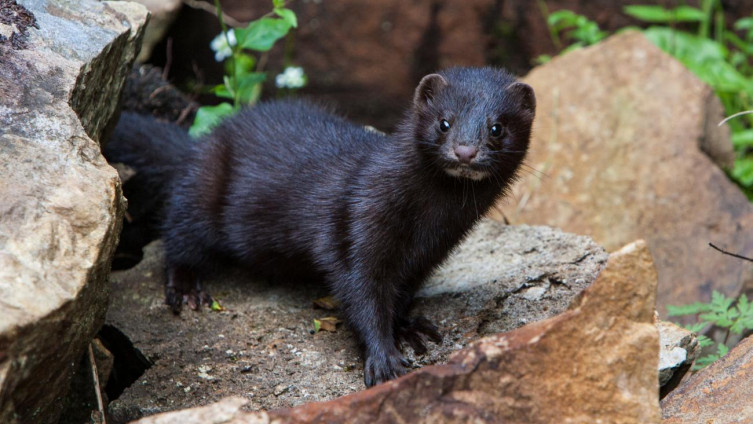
(262, 347)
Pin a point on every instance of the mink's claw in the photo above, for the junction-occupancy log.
(415, 331)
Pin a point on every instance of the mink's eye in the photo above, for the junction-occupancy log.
(444, 126)
(496, 130)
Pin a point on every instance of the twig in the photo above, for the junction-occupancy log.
(97, 388)
(168, 59)
(195, 4)
(745, 112)
(730, 253)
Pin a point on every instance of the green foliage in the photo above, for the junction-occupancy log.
(244, 77)
(720, 55)
(579, 30)
(723, 312)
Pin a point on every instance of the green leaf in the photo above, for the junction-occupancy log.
(561, 19)
(657, 14)
(692, 309)
(288, 16)
(661, 15)
(542, 59)
(243, 64)
(743, 170)
(688, 14)
(704, 341)
(222, 91)
(745, 318)
(216, 306)
(697, 327)
(249, 87)
(278, 3)
(317, 325)
(704, 361)
(745, 24)
(722, 350)
(207, 117)
(262, 34)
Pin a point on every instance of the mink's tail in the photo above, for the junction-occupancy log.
(148, 154)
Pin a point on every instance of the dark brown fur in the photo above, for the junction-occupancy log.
(288, 186)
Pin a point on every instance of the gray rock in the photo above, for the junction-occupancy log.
(679, 349)
(261, 347)
(61, 203)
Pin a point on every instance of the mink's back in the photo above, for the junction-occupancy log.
(271, 187)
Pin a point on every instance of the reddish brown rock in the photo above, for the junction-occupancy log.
(720, 393)
(597, 362)
(616, 156)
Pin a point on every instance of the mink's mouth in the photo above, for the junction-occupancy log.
(465, 171)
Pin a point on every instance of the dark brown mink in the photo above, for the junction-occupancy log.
(288, 189)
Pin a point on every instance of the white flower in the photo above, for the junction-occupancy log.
(291, 77)
(222, 49)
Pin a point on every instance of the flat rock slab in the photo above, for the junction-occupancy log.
(616, 147)
(721, 393)
(595, 363)
(261, 346)
(61, 203)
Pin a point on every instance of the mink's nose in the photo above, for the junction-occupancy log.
(465, 154)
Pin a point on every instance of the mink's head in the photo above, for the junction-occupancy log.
(473, 122)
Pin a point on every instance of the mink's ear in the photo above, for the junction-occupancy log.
(427, 89)
(523, 93)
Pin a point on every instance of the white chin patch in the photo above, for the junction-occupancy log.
(465, 172)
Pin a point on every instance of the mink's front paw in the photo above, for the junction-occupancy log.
(415, 331)
(383, 367)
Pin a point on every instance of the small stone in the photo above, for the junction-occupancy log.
(280, 389)
(679, 349)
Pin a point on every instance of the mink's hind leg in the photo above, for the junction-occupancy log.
(183, 286)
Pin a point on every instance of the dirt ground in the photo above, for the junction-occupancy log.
(262, 346)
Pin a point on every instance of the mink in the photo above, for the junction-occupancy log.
(287, 188)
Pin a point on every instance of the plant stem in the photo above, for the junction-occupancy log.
(234, 48)
(703, 29)
(552, 32)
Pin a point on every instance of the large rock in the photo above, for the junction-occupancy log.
(594, 363)
(261, 346)
(720, 393)
(61, 203)
(616, 156)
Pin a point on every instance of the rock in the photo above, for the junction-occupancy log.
(61, 208)
(162, 14)
(720, 393)
(679, 348)
(615, 153)
(261, 346)
(594, 363)
(226, 411)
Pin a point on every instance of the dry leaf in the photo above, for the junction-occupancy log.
(328, 303)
